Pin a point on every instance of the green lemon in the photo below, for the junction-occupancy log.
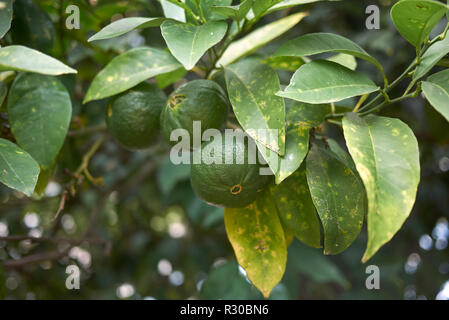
(133, 117)
(197, 100)
(232, 185)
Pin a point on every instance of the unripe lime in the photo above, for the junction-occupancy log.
(133, 117)
(229, 185)
(197, 100)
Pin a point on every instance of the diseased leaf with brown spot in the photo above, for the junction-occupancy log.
(18, 170)
(251, 89)
(257, 236)
(338, 196)
(296, 208)
(39, 110)
(386, 154)
(128, 70)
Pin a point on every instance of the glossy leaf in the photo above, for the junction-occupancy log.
(261, 6)
(18, 170)
(316, 43)
(258, 38)
(39, 110)
(19, 58)
(431, 57)
(237, 12)
(296, 209)
(257, 237)
(251, 89)
(436, 89)
(173, 11)
(300, 119)
(129, 69)
(122, 26)
(188, 43)
(288, 4)
(32, 27)
(345, 60)
(338, 196)
(415, 19)
(386, 155)
(207, 8)
(5, 16)
(322, 81)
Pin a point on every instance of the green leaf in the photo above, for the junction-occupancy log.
(284, 63)
(207, 7)
(19, 58)
(296, 209)
(39, 110)
(128, 70)
(188, 42)
(296, 148)
(122, 26)
(315, 266)
(322, 81)
(172, 10)
(316, 43)
(257, 237)
(431, 57)
(290, 3)
(436, 90)
(18, 170)
(32, 27)
(307, 116)
(258, 38)
(345, 60)
(415, 19)
(300, 119)
(251, 89)
(5, 16)
(338, 197)
(386, 155)
(261, 6)
(237, 12)
(170, 174)
(227, 283)
(166, 79)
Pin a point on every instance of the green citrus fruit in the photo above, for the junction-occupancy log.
(197, 100)
(233, 185)
(133, 117)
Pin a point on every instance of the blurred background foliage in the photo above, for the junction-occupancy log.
(154, 238)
